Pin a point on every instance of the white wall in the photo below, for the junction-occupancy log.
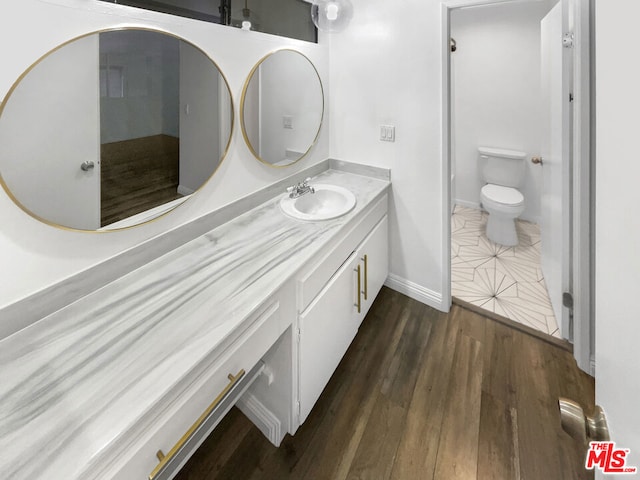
(199, 115)
(34, 255)
(385, 69)
(617, 228)
(496, 83)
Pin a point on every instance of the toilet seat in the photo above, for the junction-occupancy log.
(506, 196)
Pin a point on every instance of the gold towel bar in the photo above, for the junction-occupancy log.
(164, 459)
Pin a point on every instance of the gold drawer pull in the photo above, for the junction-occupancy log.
(366, 275)
(359, 304)
(164, 459)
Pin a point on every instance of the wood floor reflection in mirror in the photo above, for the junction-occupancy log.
(138, 175)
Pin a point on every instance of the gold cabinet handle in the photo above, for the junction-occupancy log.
(359, 304)
(366, 276)
(164, 459)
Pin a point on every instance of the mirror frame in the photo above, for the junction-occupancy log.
(242, 102)
(224, 155)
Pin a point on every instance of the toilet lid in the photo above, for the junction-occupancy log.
(503, 195)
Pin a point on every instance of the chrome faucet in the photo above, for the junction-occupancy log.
(300, 189)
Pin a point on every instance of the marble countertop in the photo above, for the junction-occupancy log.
(74, 382)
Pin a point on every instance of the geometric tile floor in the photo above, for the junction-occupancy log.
(504, 280)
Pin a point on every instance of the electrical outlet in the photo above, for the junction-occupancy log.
(287, 121)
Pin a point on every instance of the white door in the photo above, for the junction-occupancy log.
(50, 126)
(617, 251)
(555, 220)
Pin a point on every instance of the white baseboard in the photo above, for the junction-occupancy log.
(527, 218)
(182, 190)
(465, 203)
(261, 417)
(415, 291)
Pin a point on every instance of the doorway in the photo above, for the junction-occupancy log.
(575, 249)
(496, 101)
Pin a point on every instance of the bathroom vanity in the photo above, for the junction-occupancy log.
(127, 380)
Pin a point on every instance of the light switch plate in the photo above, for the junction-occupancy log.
(388, 133)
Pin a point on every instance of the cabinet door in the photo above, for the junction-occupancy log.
(373, 258)
(327, 327)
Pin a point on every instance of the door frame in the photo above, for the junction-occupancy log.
(582, 185)
(583, 188)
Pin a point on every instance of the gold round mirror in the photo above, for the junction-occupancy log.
(113, 129)
(282, 108)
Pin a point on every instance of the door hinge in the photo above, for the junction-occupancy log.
(298, 408)
(567, 302)
(298, 334)
(571, 97)
(567, 40)
(571, 325)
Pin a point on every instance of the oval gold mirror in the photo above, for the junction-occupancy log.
(282, 108)
(113, 129)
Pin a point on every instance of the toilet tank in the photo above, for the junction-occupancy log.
(501, 166)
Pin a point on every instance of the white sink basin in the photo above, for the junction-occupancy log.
(329, 201)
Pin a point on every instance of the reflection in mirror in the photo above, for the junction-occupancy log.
(282, 108)
(287, 18)
(113, 129)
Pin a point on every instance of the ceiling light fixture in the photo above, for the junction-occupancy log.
(331, 15)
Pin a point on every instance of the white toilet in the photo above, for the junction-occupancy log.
(503, 170)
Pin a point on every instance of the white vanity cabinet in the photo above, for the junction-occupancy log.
(330, 312)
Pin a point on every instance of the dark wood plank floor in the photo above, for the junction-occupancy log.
(421, 395)
(137, 175)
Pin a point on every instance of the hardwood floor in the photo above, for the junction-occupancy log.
(137, 175)
(421, 395)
